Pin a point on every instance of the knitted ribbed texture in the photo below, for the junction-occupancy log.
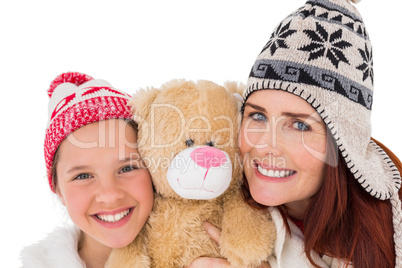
(75, 101)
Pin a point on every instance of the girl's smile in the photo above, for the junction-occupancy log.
(104, 183)
(113, 219)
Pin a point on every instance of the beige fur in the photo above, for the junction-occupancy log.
(174, 235)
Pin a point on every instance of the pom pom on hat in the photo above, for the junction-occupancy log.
(69, 77)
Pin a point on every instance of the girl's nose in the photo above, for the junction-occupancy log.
(109, 192)
(208, 157)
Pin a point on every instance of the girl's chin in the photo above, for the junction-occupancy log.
(118, 244)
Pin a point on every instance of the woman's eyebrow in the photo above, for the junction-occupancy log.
(254, 106)
(287, 114)
(301, 115)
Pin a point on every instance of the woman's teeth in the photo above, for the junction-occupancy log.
(275, 173)
(113, 218)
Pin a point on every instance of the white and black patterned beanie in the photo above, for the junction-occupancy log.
(322, 53)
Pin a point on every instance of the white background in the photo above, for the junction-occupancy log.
(135, 44)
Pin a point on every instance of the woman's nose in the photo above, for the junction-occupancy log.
(269, 140)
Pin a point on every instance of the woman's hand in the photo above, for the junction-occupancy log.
(202, 262)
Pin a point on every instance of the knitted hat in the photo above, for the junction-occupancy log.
(322, 53)
(77, 100)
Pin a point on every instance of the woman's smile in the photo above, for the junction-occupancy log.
(274, 172)
(276, 142)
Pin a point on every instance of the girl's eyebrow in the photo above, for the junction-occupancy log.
(86, 167)
(77, 168)
(128, 158)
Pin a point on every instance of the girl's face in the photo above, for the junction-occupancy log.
(103, 182)
(283, 145)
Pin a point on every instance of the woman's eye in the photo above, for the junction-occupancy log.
(82, 176)
(258, 117)
(128, 169)
(301, 126)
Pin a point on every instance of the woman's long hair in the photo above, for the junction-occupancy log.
(343, 221)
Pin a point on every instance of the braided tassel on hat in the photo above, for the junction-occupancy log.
(397, 221)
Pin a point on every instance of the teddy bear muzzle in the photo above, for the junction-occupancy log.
(200, 173)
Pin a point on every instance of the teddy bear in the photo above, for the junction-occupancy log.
(187, 136)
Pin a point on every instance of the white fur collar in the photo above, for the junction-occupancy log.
(57, 250)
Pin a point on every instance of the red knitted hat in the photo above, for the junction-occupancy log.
(77, 100)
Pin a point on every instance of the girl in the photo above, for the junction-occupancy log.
(333, 192)
(95, 169)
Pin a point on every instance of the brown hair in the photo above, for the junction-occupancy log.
(343, 221)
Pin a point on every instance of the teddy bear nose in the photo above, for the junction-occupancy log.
(208, 157)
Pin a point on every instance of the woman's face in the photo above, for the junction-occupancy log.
(102, 181)
(283, 145)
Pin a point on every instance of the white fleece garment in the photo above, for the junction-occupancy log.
(57, 250)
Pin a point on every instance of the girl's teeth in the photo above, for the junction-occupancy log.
(276, 173)
(113, 218)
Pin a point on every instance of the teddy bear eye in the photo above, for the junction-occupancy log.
(210, 143)
(189, 142)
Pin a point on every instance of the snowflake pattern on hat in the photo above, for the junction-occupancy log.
(325, 44)
(278, 38)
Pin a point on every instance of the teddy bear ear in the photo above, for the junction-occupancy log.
(235, 87)
(141, 102)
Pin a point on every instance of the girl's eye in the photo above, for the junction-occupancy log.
(82, 176)
(258, 117)
(301, 126)
(128, 169)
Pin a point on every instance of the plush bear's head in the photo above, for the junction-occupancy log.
(188, 137)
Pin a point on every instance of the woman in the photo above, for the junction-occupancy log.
(305, 140)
